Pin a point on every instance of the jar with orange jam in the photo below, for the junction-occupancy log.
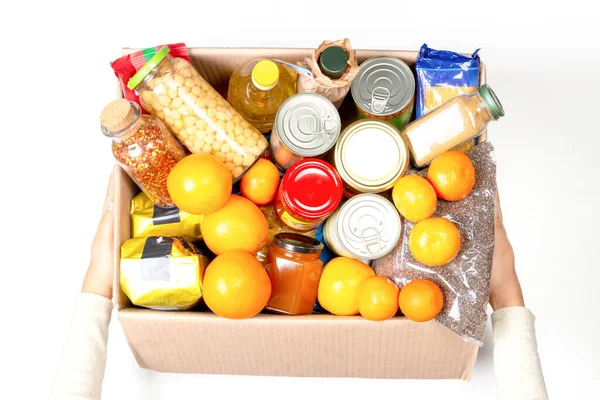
(295, 268)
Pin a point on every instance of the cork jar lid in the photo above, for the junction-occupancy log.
(118, 115)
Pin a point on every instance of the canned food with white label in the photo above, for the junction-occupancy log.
(306, 125)
(365, 227)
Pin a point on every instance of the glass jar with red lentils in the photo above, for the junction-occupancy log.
(310, 191)
(143, 147)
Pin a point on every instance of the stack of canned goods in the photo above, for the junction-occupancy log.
(338, 177)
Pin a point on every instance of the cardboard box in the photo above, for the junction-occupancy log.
(312, 345)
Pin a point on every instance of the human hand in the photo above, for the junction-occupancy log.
(99, 276)
(505, 289)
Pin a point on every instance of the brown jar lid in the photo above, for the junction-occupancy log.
(118, 115)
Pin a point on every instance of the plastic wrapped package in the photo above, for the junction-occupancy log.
(465, 281)
(149, 219)
(162, 273)
(442, 75)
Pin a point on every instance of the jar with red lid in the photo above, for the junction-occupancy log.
(310, 191)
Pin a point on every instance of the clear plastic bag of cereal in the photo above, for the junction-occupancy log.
(171, 89)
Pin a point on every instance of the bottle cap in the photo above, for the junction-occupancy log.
(117, 116)
(297, 243)
(265, 75)
(491, 101)
(333, 61)
(149, 66)
(312, 189)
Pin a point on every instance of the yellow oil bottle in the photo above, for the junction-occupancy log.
(257, 89)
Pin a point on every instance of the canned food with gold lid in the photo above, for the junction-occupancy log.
(370, 157)
(384, 88)
(306, 125)
(365, 227)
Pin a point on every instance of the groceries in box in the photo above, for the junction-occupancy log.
(269, 226)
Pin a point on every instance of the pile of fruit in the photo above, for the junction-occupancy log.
(234, 228)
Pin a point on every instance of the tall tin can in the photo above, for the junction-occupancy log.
(365, 227)
(306, 125)
(370, 157)
(384, 88)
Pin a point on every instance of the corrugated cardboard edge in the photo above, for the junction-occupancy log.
(315, 345)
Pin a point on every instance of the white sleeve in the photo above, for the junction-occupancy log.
(81, 369)
(516, 360)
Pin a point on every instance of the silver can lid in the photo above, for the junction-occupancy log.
(308, 124)
(369, 226)
(383, 86)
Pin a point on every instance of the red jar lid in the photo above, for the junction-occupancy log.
(311, 189)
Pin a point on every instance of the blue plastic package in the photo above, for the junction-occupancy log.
(443, 74)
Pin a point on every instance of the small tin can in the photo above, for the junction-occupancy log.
(384, 88)
(309, 192)
(306, 125)
(365, 227)
(370, 156)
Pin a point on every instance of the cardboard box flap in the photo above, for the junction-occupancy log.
(312, 345)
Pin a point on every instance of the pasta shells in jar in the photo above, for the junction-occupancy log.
(172, 90)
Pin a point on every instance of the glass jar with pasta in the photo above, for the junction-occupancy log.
(171, 89)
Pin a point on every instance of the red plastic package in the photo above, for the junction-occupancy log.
(127, 66)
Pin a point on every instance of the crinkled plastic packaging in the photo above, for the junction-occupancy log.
(465, 281)
(162, 273)
(148, 219)
(442, 75)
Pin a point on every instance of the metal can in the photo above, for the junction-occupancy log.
(306, 125)
(370, 156)
(384, 88)
(365, 227)
(309, 192)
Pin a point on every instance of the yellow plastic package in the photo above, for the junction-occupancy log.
(162, 273)
(148, 219)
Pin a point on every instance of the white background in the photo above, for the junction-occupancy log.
(543, 61)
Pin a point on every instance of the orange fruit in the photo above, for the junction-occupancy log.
(338, 287)
(238, 225)
(377, 298)
(414, 197)
(199, 184)
(236, 285)
(420, 300)
(261, 182)
(452, 175)
(434, 241)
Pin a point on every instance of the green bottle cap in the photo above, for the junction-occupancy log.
(333, 61)
(149, 66)
(491, 101)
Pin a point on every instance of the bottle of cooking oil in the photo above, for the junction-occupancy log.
(257, 89)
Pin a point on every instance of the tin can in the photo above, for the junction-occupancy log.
(306, 125)
(309, 192)
(370, 157)
(384, 88)
(365, 227)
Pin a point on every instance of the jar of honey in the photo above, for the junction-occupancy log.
(295, 268)
(309, 192)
